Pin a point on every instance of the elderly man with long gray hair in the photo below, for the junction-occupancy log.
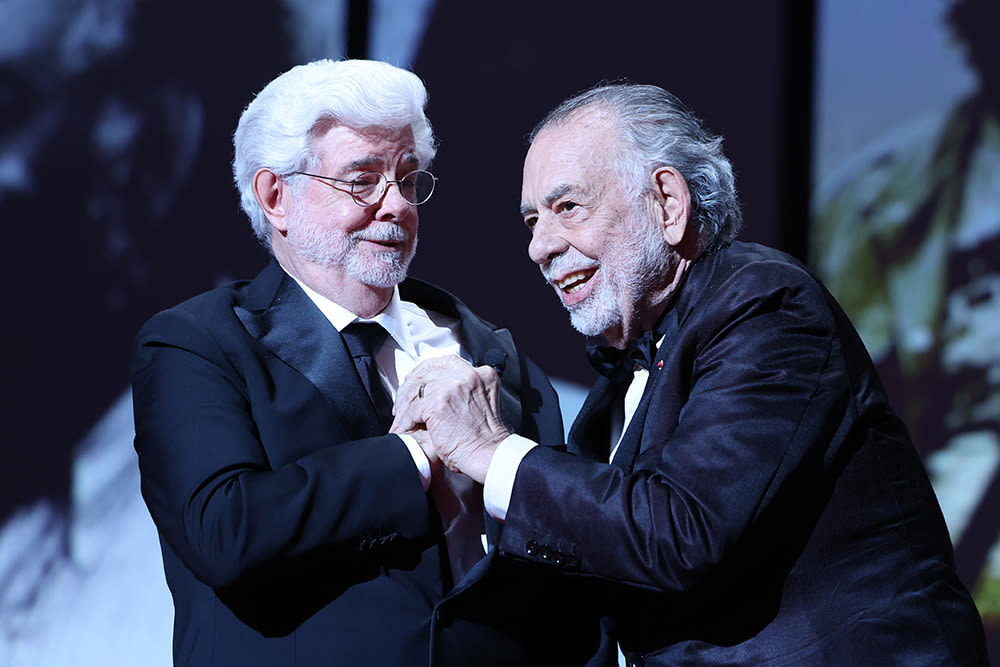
(737, 489)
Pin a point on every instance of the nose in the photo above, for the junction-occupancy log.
(392, 206)
(547, 241)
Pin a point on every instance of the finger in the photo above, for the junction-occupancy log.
(442, 372)
(490, 379)
(401, 423)
(407, 393)
(489, 375)
(406, 415)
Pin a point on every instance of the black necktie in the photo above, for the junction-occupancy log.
(364, 339)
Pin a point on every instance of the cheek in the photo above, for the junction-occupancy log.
(346, 220)
(411, 223)
(615, 252)
(591, 243)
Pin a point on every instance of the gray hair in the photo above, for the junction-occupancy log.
(278, 128)
(660, 131)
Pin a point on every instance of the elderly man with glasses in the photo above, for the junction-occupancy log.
(295, 529)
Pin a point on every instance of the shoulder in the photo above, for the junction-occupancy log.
(746, 280)
(747, 268)
(196, 322)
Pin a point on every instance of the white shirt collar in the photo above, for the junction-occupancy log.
(396, 317)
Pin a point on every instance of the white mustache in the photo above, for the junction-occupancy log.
(381, 234)
(566, 263)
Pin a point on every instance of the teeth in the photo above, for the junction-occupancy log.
(575, 280)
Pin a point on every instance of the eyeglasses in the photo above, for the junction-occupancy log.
(369, 188)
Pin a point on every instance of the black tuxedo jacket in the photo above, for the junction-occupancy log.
(293, 530)
(765, 505)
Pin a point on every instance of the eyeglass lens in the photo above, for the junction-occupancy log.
(416, 187)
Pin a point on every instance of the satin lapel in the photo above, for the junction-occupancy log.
(590, 434)
(296, 332)
(631, 441)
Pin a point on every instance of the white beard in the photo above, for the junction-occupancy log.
(639, 262)
(327, 247)
(598, 312)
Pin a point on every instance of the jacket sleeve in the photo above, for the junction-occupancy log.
(295, 532)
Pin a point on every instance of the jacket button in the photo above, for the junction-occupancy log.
(546, 553)
(532, 548)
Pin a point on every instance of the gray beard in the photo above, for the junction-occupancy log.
(646, 265)
(598, 313)
(383, 270)
(386, 269)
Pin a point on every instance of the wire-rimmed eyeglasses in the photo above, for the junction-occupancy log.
(369, 188)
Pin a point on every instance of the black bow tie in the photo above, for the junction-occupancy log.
(619, 365)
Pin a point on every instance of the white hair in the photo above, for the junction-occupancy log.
(277, 129)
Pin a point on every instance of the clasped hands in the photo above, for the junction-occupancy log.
(449, 407)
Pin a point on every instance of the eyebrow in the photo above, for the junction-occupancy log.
(554, 194)
(370, 161)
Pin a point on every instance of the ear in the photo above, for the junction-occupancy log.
(272, 194)
(674, 201)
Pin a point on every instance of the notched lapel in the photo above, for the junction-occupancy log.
(285, 321)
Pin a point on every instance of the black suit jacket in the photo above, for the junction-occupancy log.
(765, 505)
(293, 530)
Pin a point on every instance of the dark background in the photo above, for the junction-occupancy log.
(117, 200)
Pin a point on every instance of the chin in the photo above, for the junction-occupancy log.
(382, 271)
(593, 322)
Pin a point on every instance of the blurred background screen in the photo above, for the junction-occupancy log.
(864, 136)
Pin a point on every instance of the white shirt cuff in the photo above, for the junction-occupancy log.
(419, 458)
(500, 475)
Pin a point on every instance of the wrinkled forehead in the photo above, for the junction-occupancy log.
(579, 149)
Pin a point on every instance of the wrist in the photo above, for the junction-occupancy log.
(483, 456)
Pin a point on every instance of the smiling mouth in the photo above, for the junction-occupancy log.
(575, 281)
